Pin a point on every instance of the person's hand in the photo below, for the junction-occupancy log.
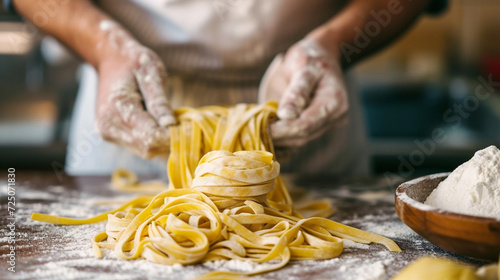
(309, 84)
(132, 107)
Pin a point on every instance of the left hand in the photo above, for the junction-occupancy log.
(310, 87)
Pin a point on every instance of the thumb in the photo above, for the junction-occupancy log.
(298, 92)
(150, 77)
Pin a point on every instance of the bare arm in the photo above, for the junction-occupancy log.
(75, 23)
(365, 26)
(129, 72)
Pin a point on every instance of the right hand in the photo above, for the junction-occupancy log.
(309, 84)
(129, 74)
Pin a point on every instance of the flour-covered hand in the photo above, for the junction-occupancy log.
(133, 109)
(310, 87)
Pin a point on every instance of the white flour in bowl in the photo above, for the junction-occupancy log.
(473, 188)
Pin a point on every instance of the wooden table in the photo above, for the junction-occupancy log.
(46, 251)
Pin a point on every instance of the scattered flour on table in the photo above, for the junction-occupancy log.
(473, 188)
(237, 265)
(387, 225)
(372, 271)
(67, 252)
(351, 244)
(374, 266)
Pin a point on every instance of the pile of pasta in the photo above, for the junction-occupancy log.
(226, 200)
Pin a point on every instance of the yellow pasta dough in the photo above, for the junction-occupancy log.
(436, 268)
(225, 200)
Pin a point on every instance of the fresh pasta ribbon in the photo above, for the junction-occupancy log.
(126, 181)
(225, 200)
(230, 178)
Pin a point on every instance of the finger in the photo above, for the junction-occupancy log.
(296, 142)
(154, 141)
(147, 140)
(298, 93)
(325, 109)
(150, 138)
(115, 131)
(329, 102)
(285, 129)
(150, 77)
(124, 99)
(112, 129)
(130, 125)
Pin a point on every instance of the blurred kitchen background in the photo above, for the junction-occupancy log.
(406, 91)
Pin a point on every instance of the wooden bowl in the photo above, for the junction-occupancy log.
(466, 235)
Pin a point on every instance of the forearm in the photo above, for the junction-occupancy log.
(365, 26)
(74, 23)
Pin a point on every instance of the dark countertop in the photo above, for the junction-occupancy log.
(64, 252)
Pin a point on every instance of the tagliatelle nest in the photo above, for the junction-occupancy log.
(226, 200)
